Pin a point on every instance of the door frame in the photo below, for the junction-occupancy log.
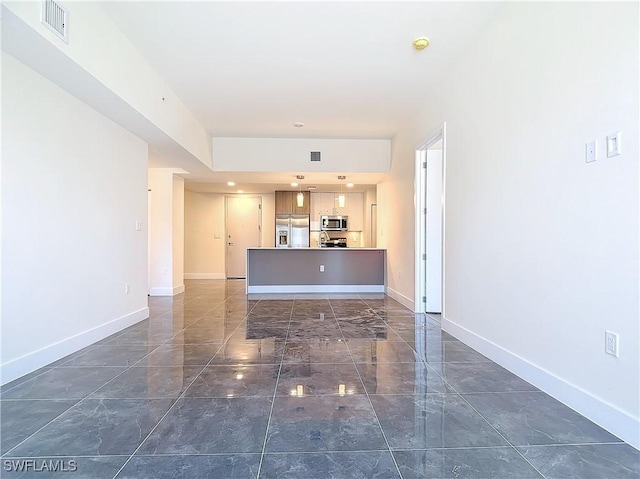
(420, 217)
(226, 228)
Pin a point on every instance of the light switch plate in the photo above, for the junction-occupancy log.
(611, 344)
(614, 144)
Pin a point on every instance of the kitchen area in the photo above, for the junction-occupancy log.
(318, 247)
(324, 219)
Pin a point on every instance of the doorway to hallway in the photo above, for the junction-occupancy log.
(430, 220)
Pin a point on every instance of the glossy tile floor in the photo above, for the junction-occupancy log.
(219, 385)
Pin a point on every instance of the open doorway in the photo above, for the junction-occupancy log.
(430, 221)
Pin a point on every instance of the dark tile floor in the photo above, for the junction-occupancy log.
(216, 384)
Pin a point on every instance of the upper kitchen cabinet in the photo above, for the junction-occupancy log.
(322, 204)
(286, 202)
(354, 204)
(327, 204)
(353, 208)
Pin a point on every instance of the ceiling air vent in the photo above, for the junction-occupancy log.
(56, 18)
(315, 156)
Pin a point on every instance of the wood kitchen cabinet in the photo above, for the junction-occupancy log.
(286, 203)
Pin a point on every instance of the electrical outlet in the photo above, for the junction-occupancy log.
(127, 288)
(322, 268)
(611, 345)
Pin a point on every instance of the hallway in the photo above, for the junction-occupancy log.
(217, 384)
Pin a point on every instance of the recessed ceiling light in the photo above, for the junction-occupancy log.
(421, 43)
(294, 184)
(298, 124)
(349, 185)
(231, 183)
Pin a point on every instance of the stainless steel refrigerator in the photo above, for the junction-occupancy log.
(292, 231)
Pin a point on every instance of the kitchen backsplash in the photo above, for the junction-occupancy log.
(354, 238)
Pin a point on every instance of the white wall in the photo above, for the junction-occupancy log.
(166, 231)
(370, 198)
(542, 248)
(73, 187)
(395, 199)
(96, 44)
(288, 154)
(204, 253)
(178, 233)
(204, 218)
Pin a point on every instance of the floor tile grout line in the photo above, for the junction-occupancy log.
(344, 326)
(181, 396)
(371, 402)
(74, 405)
(501, 435)
(461, 397)
(486, 420)
(400, 449)
(275, 391)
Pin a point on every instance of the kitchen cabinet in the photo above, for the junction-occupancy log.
(321, 204)
(286, 202)
(354, 204)
(327, 204)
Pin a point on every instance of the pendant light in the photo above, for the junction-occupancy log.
(341, 198)
(300, 195)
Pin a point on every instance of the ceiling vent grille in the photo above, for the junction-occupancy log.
(315, 156)
(56, 18)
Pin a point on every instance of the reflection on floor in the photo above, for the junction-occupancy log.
(217, 384)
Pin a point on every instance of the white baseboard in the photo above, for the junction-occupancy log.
(205, 276)
(318, 288)
(30, 362)
(606, 415)
(166, 290)
(400, 298)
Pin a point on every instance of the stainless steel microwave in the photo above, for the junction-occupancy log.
(334, 223)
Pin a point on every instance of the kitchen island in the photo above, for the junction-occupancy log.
(316, 270)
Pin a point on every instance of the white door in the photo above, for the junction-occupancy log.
(243, 227)
(430, 220)
(433, 237)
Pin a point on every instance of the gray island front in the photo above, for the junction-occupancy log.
(316, 270)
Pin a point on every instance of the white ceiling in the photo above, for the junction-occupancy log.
(344, 69)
